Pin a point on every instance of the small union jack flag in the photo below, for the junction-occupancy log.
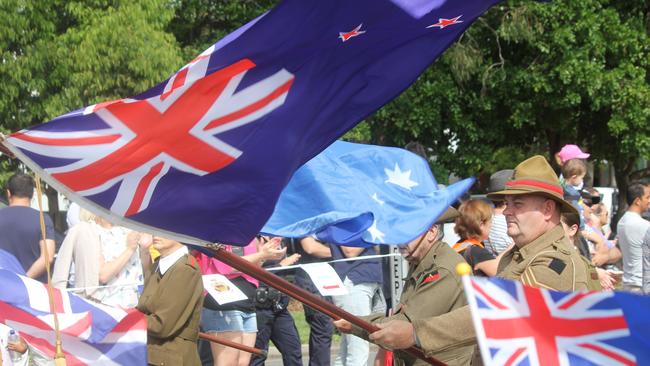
(520, 325)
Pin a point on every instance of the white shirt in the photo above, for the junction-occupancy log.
(167, 261)
(631, 231)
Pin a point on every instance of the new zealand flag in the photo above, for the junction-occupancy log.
(203, 156)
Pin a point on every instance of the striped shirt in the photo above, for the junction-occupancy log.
(498, 239)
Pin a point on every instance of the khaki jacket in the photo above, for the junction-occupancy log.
(173, 303)
(548, 262)
(432, 288)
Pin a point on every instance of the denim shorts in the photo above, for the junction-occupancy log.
(218, 321)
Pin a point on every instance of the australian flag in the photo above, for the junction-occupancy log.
(203, 156)
(361, 195)
(520, 325)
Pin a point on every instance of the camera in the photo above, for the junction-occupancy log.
(269, 298)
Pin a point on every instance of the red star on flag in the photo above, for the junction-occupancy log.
(443, 22)
(344, 36)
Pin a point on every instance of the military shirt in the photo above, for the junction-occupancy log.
(172, 303)
(432, 288)
(547, 262)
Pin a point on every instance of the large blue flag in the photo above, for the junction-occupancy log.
(355, 194)
(203, 156)
(520, 325)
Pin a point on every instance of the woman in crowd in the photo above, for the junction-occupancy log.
(102, 254)
(172, 299)
(235, 321)
(473, 227)
(571, 224)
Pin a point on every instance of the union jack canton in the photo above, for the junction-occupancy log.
(521, 325)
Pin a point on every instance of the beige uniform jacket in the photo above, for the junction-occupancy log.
(172, 303)
(432, 288)
(550, 262)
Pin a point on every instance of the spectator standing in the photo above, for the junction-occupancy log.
(235, 321)
(21, 230)
(363, 280)
(274, 322)
(631, 230)
(320, 325)
(473, 227)
(498, 239)
(646, 263)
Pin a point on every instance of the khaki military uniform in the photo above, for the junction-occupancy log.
(549, 262)
(172, 303)
(432, 288)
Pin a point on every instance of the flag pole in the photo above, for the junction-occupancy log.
(59, 356)
(305, 297)
(255, 351)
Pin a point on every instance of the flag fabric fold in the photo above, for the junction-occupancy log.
(520, 325)
(203, 156)
(360, 195)
(91, 333)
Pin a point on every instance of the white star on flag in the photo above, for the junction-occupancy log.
(376, 199)
(377, 236)
(400, 178)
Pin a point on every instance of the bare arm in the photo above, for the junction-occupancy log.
(315, 248)
(108, 270)
(38, 267)
(351, 252)
(270, 250)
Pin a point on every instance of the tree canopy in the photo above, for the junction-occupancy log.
(526, 78)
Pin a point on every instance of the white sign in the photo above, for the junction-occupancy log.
(221, 289)
(325, 279)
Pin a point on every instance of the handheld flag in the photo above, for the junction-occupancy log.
(203, 156)
(360, 195)
(520, 325)
(91, 333)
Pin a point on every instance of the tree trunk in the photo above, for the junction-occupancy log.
(622, 170)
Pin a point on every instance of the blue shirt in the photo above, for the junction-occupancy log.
(20, 234)
(358, 271)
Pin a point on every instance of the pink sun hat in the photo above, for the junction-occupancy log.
(569, 152)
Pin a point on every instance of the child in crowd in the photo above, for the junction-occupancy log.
(574, 172)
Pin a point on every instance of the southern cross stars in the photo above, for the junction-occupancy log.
(400, 178)
(377, 236)
(443, 22)
(344, 36)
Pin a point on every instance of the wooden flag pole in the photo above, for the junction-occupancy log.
(255, 351)
(303, 296)
(59, 356)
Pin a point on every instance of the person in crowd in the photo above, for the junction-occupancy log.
(432, 287)
(604, 252)
(574, 172)
(363, 280)
(571, 225)
(274, 322)
(172, 299)
(24, 353)
(646, 262)
(569, 152)
(320, 325)
(498, 239)
(120, 264)
(542, 257)
(101, 254)
(235, 321)
(473, 227)
(21, 229)
(631, 230)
